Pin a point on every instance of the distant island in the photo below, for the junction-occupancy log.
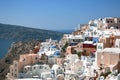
(17, 33)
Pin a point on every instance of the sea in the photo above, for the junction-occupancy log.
(4, 46)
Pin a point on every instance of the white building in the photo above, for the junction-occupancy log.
(71, 58)
(75, 38)
(56, 69)
(37, 71)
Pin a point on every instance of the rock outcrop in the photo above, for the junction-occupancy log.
(14, 51)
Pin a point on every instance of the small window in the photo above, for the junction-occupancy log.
(28, 68)
(111, 21)
(99, 47)
(116, 46)
(24, 59)
(45, 67)
(40, 67)
(12, 74)
(36, 58)
(119, 21)
(15, 75)
(34, 67)
(81, 46)
(25, 69)
(107, 21)
(15, 65)
(116, 27)
(59, 68)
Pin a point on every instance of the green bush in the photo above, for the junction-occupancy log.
(65, 46)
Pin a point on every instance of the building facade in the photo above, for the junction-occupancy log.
(108, 57)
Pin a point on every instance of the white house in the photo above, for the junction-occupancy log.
(35, 71)
(71, 58)
(56, 69)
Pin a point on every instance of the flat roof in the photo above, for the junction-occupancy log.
(88, 42)
(113, 50)
(29, 79)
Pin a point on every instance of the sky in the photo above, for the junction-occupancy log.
(56, 14)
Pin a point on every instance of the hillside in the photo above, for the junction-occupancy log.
(14, 32)
(18, 48)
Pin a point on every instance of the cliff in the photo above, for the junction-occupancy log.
(13, 54)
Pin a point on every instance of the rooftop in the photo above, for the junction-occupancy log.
(88, 42)
(112, 50)
(29, 79)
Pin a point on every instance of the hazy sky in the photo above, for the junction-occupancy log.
(56, 14)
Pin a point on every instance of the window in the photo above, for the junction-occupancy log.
(15, 75)
(45, 67)
(40, 67)
(36, 58)
(15, 64)
(12, 74)
(25, 70)
(81, 46)
(28, 68)
(107, 21)
(116, 46)
(116, 27)
(99, 47)
(24, 59)
(34, 67)
(111, 21)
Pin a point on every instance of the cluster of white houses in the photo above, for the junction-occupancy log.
(93, 49)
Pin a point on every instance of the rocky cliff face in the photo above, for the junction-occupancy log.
(13, 54)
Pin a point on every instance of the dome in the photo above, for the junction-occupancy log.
(53, 46)
(57, 53)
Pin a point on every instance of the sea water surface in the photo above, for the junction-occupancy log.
(4, 46)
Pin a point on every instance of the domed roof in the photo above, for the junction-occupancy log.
(57, 53)
(52, 46)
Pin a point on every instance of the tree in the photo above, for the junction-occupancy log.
(65, 46)
(84, 52)
(79, 53)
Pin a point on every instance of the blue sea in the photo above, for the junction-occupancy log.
(4, 46)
